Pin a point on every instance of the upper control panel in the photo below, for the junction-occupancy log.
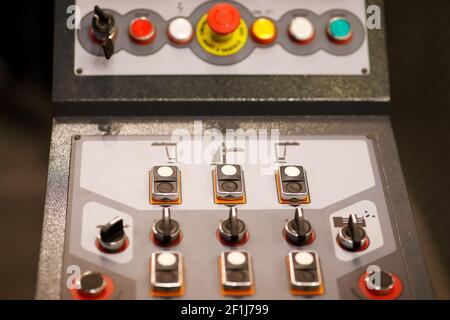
(197, 37)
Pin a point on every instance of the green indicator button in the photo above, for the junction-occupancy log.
(339, 29)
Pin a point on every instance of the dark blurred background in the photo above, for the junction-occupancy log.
(419, 54)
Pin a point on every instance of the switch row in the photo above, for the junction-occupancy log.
(166, 232)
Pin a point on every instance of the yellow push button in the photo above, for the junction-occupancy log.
(264, 31)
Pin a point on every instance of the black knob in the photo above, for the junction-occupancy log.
(233, 230)
(112, 237)
(91, 284)
(166, 231)
(104, 30)
(299, 231)
(352, 236)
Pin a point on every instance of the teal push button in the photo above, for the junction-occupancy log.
(339, 30)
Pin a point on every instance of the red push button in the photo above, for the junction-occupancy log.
(142, 30)
(223, 18)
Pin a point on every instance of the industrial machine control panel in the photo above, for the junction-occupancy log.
(309, 219)
(159, 37)
(226, 203)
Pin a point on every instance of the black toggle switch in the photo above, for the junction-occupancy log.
(166, 231)
(299, 231)
(233, 230)
(112, 237)
(104, 30)
(352, 236)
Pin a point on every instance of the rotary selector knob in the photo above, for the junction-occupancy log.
(104, 30)
(353, 237)
(233, 231)
(299, 231)
(112, 237)
(91, 284)
(166, 231)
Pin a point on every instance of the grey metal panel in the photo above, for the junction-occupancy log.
(142, 95)
(51, 260)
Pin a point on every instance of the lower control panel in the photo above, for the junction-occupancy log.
(153, 217)
(161, 37)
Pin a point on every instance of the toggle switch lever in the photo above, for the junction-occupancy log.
(104, 30)
(299, 231)
(233, 230)
(166, 231)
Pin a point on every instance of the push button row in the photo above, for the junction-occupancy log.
(228, 185)
(221, 31)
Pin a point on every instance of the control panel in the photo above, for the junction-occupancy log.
(197, 37)
(299, 217)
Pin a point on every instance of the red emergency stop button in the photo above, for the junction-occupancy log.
(223, 18)
(142, 30)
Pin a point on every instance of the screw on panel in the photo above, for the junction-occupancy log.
(79, 70)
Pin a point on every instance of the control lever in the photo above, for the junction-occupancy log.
(233, 230)
(166, 231)
(104, 30)
(299, 231)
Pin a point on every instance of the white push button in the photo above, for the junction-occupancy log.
(229, 170)
(236, 258)
(292, 171)
(301, 30)
(304, 258)
(180, 31)
(166, 259)
(165, 171)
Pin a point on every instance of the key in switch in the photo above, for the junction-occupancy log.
(236, 273)
(305, 274)
(103, 30)
(166, 274)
